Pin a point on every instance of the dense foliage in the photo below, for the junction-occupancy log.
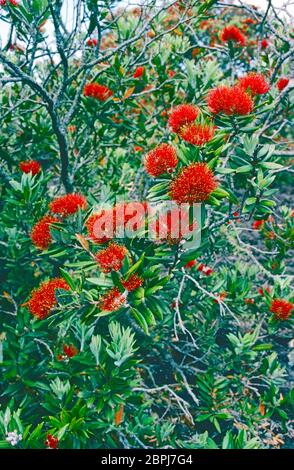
(109, 342)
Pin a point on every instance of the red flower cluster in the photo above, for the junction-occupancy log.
(162, 159)
(229, 100)
(102, 226)
(133, 282)
(190, 264)
(181, 116)
(68, 204)
(258, 224)
(112, 300)
(262, 290)
(97, 91)
(282, 309)
(30, 166)
(40, 234)
(172, 226)
(139, 72)
(70, 350)
(13, 3)
(232, 33)
(51, 441)
(282, 83)
(92, 42)
(193, 183)
(111, 258)
(197, 134)
(255, 83)
(205, 269)
(264, 44)
(43, 299)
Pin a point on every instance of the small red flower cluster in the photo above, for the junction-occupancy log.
(13, 3)
(43, 299)
(232, 33)
(112, 300)
(172, 226)
(68, 204)
(197, 134)
(282, 309)
(264, 44)
(97, 91)
(182, 121)
(229, 100)
(51, 441)
(40, 234)
(205, 269)
(255, 83)
(282, 83)
(30, 166)
(70, 350)
(111, 258)
(109, 220)
(92, 42)
(193, 183)
(139, 72)
(258, 224)
(162, 159)
(133, 282)
(190, 264)
(182, 115)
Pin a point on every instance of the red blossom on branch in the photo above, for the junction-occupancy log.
(70, 350)
(112, 300)
(133, 282)
(255, 83)
(282, 309)
(51, 441)
(68, 204)
(139, 72)
(193, 183)
(197, 134)
(43, 299)
(40, 234)
(30, 166)
(282, 83)
(111, 258)
(232, 33)
(97, 91)
(182, 115)
(229, 100)
(162, 159)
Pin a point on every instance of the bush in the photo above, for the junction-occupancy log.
(139, 342)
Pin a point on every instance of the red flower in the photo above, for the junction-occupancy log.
(262, 290)
(139, 72)
(282, 83)
(205, 269)
(264, 44)
(229, 100)
(134, 282)
(51, 442)
(97, 91)
(220, 298)
(171, 73)
(197, 134)
(258, 224)
(282, 309)
(254, 83)
(232, 33)
(249, 301)
(182, 115)
(70, 350)
(111, 258)
(91, 223)
(40, 234)
(13, 3)
(190, 264)
(43, 299)
(249, 21)
(30, 166)
(194, 183)
(92, 42)
(112, 300)
(162, 159)
(68, 204)
(171, 225)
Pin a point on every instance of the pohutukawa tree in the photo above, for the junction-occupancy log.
(111, 338)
